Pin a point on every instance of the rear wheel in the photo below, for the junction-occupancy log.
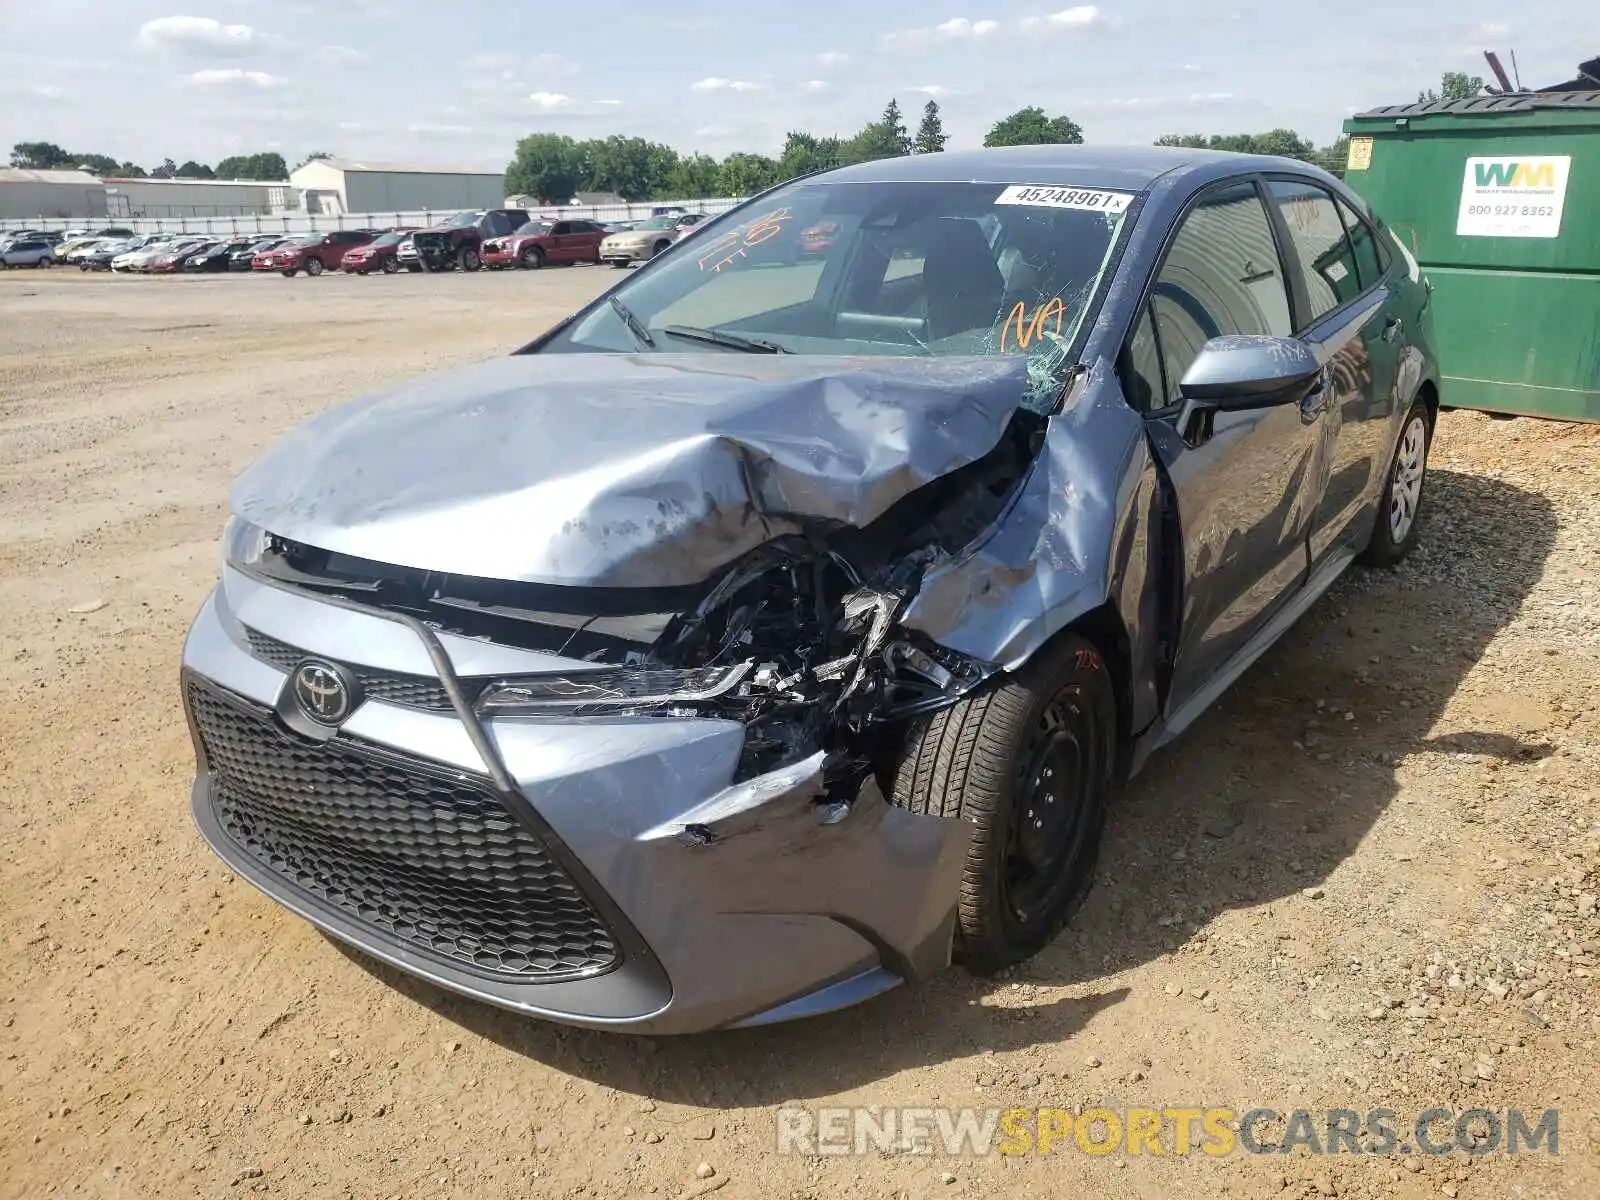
(390, 266)
(1395, 532)
(1030, 763)
(313, 266)
(532, 257)
(289, 273)
(469, 259)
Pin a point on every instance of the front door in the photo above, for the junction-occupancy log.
(1345, 313)
(1244, 482)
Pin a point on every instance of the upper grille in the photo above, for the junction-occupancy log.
(416, 691)
(427, 857)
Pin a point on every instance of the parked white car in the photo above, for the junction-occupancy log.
(33, 252)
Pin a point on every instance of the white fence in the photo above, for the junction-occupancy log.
(301, 222)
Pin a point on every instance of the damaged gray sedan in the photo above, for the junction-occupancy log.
(782, 624)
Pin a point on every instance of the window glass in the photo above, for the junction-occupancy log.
(888, 268)
(1317, 237)
(1365, 244)
(1221, 276)
(561, 227)
(1141, 366)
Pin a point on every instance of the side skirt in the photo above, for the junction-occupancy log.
(1163, 732)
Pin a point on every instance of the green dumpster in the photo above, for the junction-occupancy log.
(1499, 199)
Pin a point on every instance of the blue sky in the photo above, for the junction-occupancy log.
(457, 81)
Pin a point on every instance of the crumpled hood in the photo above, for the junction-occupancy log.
(615, 470)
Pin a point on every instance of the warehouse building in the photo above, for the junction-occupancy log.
(335, 185)
(26, 195)
(195, 197)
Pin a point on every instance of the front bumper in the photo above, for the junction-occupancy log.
(500, 256)
(725, 903)
(632, 253)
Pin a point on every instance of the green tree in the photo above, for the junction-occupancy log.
(265, 166)
(805, 154)
(167, 170)
(629, 166)
(1030, 127)
(1453, 85)
(746, 174)
(550, 166)
(1285, 143)
(129, 170)
(314, 156)
(195, 170)
(884, 138)
(693, 177)
(100, 164)
(931, 137)
(40, 156)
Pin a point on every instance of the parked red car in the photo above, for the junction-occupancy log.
(376, 255)
(541, 242)
(312, 253)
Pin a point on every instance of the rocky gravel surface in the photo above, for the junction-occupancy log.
(1367, 879)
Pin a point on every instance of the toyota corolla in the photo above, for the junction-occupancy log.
(778, 627)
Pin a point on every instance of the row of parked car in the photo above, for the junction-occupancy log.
(494, 238)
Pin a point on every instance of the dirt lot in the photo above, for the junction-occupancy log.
(1367, 879)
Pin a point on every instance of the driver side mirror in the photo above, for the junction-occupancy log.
(1245, 371)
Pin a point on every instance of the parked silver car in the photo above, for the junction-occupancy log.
(783, 622)
(28, 252)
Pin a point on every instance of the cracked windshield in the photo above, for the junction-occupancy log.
(877, 269)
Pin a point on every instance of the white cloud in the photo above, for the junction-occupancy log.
(549, 101)
(716, 83)
(832, 58)
(33, 91)
(956, 29)
(1080, 16)
(339, 56)
(432, 129)
(232, 77)
(199, 35)
(1489, 31)
(932, 90)
(814, 86)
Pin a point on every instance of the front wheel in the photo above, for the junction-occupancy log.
(1395, 532)
(532, 258)
(1030, 763)
(469, 259)
(390, 266)
(289, 273)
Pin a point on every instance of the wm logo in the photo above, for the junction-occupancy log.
(1508, 173)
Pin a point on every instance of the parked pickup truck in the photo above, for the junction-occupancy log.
(458, 242)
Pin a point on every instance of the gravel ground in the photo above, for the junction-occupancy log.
(1368, 878)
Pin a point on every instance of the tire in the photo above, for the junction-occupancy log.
(1046, 736)
(414, 268)
(469, 259)
(619, 263)
(658, 248)
(289, 273)
(313, 267)
(532, 258)
(1394, 532)
(390, 266)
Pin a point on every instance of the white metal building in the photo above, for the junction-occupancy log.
(195, 197)
(334, 185)
(26, 194)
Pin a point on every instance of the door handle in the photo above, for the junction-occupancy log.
(1392, 329)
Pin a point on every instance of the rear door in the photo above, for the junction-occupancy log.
(1343, 305)
(1244, 482)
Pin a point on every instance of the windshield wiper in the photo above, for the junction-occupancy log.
(635, 326)
(732, 341)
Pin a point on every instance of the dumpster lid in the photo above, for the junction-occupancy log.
(1485, 106)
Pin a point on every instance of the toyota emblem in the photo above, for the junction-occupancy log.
(322, 693)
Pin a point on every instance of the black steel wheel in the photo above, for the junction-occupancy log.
(1030, 762)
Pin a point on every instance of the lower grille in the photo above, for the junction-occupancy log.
(426, 857)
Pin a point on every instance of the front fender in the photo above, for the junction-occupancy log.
(1080, 533)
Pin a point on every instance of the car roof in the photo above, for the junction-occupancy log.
(1122, 168)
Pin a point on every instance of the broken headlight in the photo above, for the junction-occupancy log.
(611, 690)
(243, 544)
